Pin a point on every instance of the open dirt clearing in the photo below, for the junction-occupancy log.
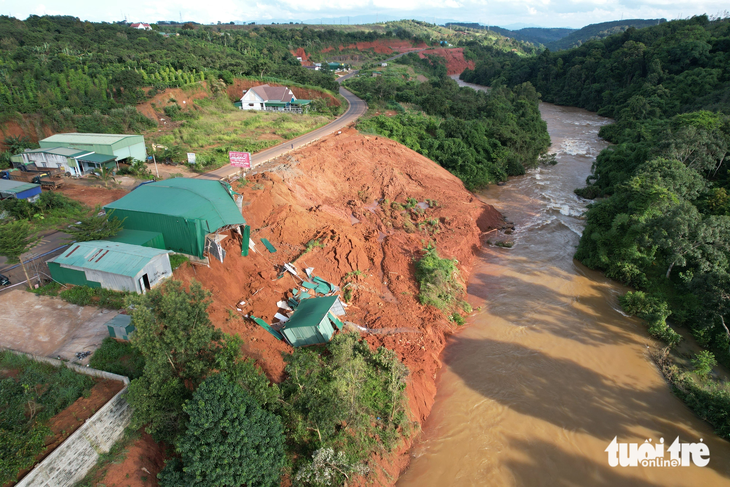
(49, 326)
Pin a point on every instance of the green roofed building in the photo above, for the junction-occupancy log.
(185, 211)
(121, 146)
(314, 321)
(153, 240)
(111, 265)
(19, 190)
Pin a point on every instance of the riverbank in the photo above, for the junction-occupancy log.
(345, 199)
(551, 370)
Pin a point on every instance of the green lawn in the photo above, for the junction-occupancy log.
(220, 127)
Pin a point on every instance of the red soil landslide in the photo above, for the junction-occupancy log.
(455, 62)
(338, 191)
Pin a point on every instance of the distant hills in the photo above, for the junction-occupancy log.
(557, 39)
(599, 31)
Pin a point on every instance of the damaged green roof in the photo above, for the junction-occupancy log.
(310, 312)
(195, 199)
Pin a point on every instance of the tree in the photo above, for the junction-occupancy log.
(16, 238)
(230, 440)
(180, 347)
(105, 175)
(96, 226)
(703, 362)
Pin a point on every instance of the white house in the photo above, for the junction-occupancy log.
(265, 96)
(141, 25)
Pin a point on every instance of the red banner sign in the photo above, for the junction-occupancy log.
(240, 159)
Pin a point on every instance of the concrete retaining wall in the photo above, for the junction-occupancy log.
(71, 460)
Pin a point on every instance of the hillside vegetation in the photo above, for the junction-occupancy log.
(598, 31)
(480, 137)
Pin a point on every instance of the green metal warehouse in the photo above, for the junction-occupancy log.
(121, 146)
(111, 265)
(185, 211)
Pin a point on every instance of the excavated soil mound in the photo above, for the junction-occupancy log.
(235, 91)
(170, 96)
(28, 125)
(300, 52)
(339, 193)
(455, 62)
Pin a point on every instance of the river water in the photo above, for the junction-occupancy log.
(550, 370)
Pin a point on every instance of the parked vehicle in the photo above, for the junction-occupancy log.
(4, 281)
(47, 183)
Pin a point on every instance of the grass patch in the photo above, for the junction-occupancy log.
(84, 295)
(30, 394)
(176, 260)
(438, 280)
(118, 358)
(220, 128)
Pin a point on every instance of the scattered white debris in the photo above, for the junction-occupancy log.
(281, 317)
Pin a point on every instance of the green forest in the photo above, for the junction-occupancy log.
(91, 74)
(480, 137)
(661, 220)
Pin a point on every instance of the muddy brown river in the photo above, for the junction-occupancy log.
(550, 370)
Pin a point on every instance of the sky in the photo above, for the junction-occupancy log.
(503, 13)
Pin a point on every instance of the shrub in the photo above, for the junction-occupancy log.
(437, 280)
(230, 439)
(654, 311)
(118, 358)
(87, 296)
(38, 392)
(176, 260)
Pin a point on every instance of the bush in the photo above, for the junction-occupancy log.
(437, 280)
(654, 311)
(118, 358)
(88, 296)
(343, 383)
(176, 260)
(230, 439)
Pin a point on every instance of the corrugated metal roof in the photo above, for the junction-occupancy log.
(119, 321)
(79, 138)
(98, 158)
(310, 312)
(105, 256)
(192, 199)
(10, 186)
(60, 151)
(139, 237)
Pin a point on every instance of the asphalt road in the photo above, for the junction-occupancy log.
(48, 247)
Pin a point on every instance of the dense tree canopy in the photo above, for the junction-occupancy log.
(230, 440)
(480, 137)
